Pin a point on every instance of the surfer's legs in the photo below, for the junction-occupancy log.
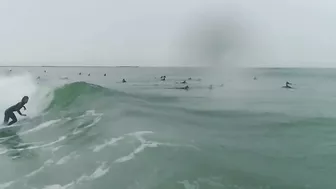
(13, 117)
(6, 119)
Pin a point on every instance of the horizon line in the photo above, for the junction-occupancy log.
(184, 66)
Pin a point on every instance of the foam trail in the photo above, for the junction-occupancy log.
(111, 142)
(60, 139)
(43, 125)
(144, 144)
(94, 122)
(99, 172)
(137, 150)
(188, 185)
(46, 163)
(67, 158)
(57, 186)
(6, 185)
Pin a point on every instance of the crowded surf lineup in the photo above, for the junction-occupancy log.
(287, 85)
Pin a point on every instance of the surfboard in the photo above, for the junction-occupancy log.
(13, 129)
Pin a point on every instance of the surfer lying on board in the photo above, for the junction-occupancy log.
(9, 113)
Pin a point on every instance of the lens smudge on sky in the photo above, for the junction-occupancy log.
(168, 33)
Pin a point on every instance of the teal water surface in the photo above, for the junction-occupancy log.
(97, 132)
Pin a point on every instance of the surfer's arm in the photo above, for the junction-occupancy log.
(24, 107)
(21, 113)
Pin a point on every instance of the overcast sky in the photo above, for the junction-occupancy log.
(168, 32)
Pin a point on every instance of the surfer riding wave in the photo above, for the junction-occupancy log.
(9, 113)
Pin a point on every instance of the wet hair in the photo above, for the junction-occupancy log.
(25, 98)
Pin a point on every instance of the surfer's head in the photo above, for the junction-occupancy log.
(25, 99)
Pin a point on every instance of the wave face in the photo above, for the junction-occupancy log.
(77, 93)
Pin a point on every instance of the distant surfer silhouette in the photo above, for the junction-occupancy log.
(9, 113)
(288, 85)
(124, 81)
(184, 88)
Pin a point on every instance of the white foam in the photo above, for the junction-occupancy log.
(212, 181)
(144, 144)
(54, 186)
(43, 125)
(3, 152)
(90, 113)
(137, 150)
(57, 186)
(111, 142)
(6, 185)
(48, 144)
(99, 172)
(14, 87)
(65, 159)
(54, 149)
(140, 133)
(33, 173)
(188, 185)
(95, 121)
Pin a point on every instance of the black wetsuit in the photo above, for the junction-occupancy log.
(9, 113)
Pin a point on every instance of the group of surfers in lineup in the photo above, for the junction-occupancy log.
(9, 112)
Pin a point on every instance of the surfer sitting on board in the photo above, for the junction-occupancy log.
(288, 85)
(9, 113)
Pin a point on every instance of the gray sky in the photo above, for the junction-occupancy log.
(168, 32)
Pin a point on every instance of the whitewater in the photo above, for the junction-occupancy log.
(233, 131)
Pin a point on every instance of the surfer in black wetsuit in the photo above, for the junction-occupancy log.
(9, 113)
(287, 86)
(184, 88)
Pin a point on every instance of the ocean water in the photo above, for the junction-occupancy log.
(95, 132)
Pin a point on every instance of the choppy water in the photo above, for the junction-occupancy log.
(96, 132)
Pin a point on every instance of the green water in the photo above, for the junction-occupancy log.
(96, 132)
